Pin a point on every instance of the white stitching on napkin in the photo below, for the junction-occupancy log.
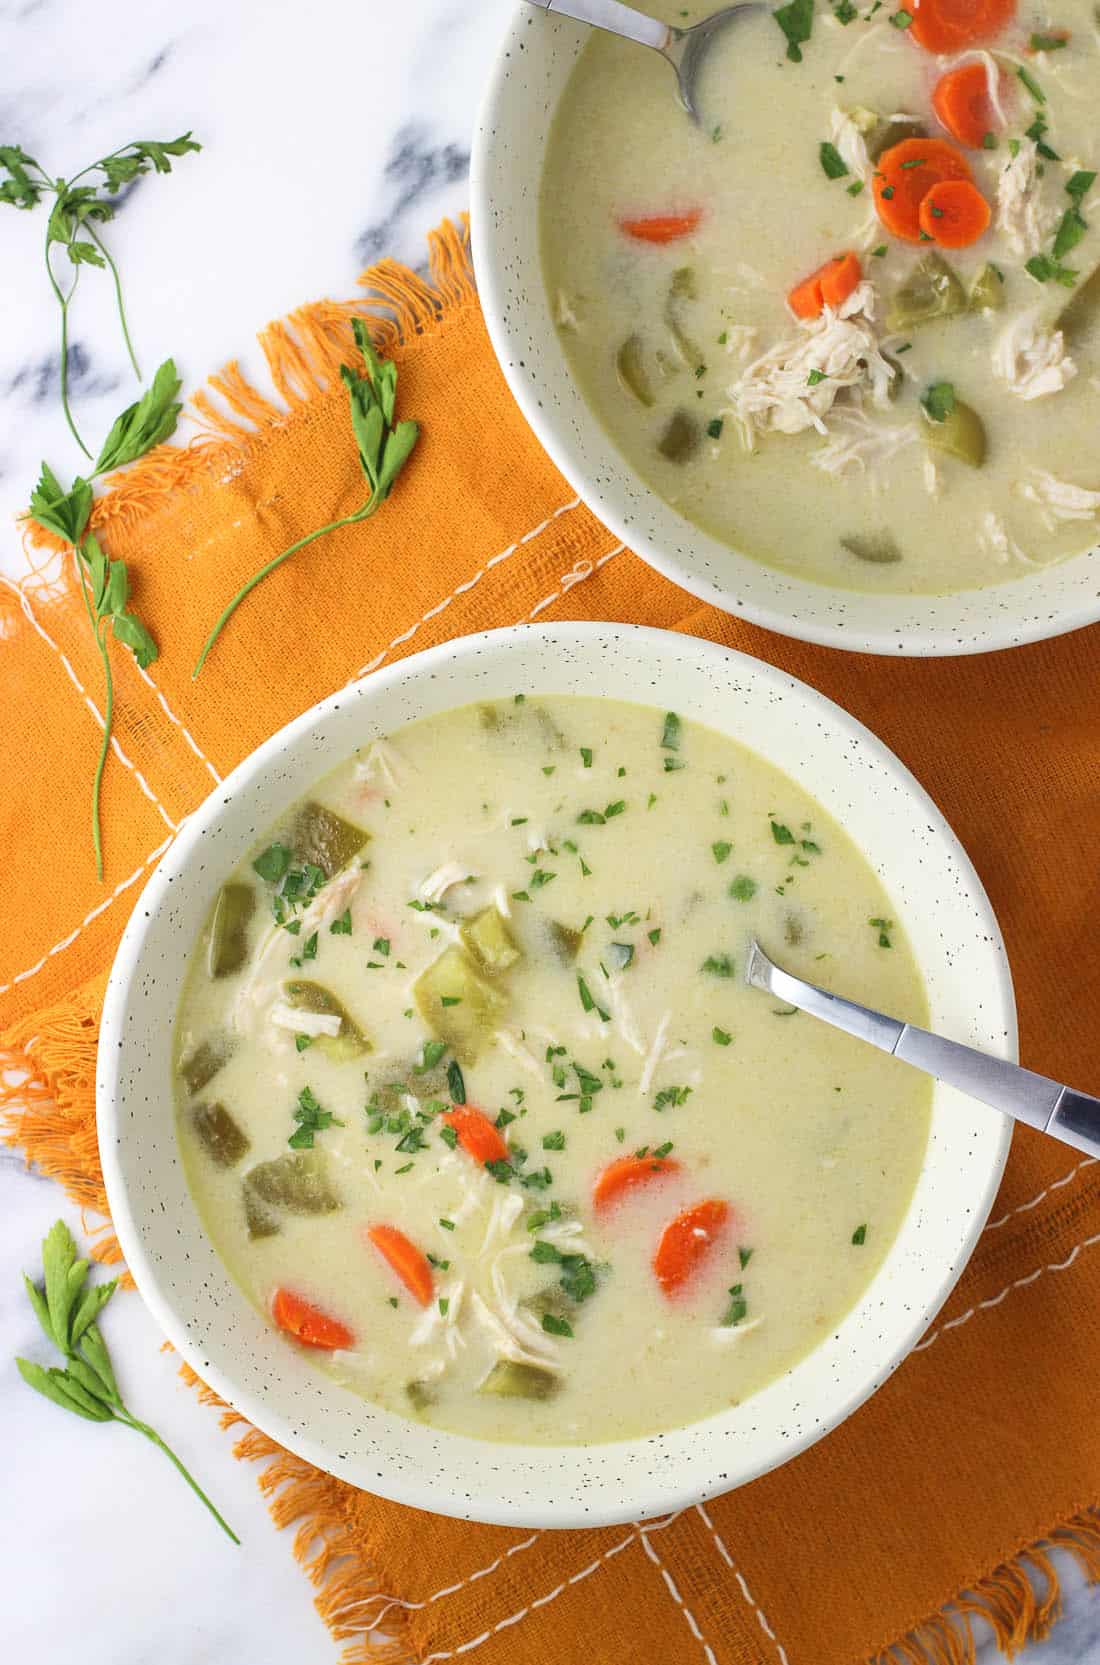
(22, 976)
(1024, 1208)
(578, 572)
(461, 589)
(92, 707)
(1019, 1283)
(389, 1602)
(745, 1591)
(679, 1600)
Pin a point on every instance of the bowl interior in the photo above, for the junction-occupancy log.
(957, 945)
(535, 61)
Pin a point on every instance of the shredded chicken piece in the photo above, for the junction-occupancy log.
(438, 1326)
(1021, 213)
(795, 385)
(1030, 360)
(502, 902)
(506, 1209)
(263, 984)
(933, 483)
(741, 339)
(382, 761)
(654, 1055)
(848, 130)
(623, 1015)
(994, 539)
(305, 1023)
(564, 316)
(510, 1041)
(855, 443)
(724, 1334)
(437, 884)
(506, 1342)
(1058, 501)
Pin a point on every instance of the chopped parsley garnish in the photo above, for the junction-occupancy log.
(444, 1303)
(554, 1141)
(456, 1086)
(578, 1275)
(720, 1037)
(883, 927)
(796, 19)
(449, 1136)
(342, 927)
(737, 1308)
(1048, 43)
(450, 1000)
(311, 1119)
(938, 401)
(448, 1225)
(714, 427)
(1045, 270)
(303, 1042)
(430, 1054)
(718, 965)
(671, 1098)
(670, 736)
(501, 1170)
(382, 946)
(782, 834)
(879, 250)
(901, 19)
(672, 763)
(744, 1256)
(587, 1001)
(743, 889)
(273, 863)
(859, 1236)
(854, 188)
(614, 809)
(832, 162)
(556, 1326)
(1031, 84)
(721, 850)
(845, 13)
(654, 935)
(586, 756)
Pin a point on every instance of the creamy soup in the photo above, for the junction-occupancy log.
(477, 1108)
(758, 317)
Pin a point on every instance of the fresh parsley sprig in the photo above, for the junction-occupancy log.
(104, 584)
(67, 1307)
(77, 210)
(384, 448)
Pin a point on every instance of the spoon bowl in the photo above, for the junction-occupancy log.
(684, 49)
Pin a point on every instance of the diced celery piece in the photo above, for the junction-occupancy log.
(880, 548)
(421, 1395)
(682, 289)
(961, 434)
(314, 997)
(201, 1066)
(325, 839)
(511, 1380)
(932, 290)
(680, 439)
(497, 719)
(458, 1004)
(295, 1183)
(1083, 308)
(553, 1301)
(987, 292)
(487, 937)
(218, 1133)
(632, 373)
(228, 946)
(565, 941)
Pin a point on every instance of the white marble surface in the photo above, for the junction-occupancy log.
(332, 133)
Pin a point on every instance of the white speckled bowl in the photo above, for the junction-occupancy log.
(535, 61)
(935, 892)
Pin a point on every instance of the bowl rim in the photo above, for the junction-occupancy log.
(874, 623)
(665, 1490)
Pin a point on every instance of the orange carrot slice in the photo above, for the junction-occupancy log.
(961, 101)
(626, 1173)
(905, 175)
(954, 214)
(307, 1323)
(953, 25)
(662, 228)
(828, 286)
(476, 1134)
(687, 1241)
(405, 1259)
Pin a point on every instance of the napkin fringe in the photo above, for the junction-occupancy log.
(1021, 1602)
(303, 354)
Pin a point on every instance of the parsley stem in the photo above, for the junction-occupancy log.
(124, 1416)
(108, 716)
(258, 577)
(106, 253)
(63, 302)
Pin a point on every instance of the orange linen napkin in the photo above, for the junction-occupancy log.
(983, 1448)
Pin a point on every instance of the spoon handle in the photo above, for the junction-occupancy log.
(1047, 1105)
(616, 18)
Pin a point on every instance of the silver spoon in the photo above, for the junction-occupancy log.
(1060, 1111)
(684, 49)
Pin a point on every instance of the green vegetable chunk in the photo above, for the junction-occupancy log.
(350, 1042)
(932, 290)
(552, 1300)
(564, 940)
(458, 1004)
(486, 936)
(421, 1395)
(510, 1380)
(987, 292)
(1082, 312)
(221, 1138)
(201, 1066)
(292, 1184)
(683, 288)
(880, 548)
(228, 947)
(892, 132)
(325, 839)
(631, 370)
(961, 434)
(681, 437)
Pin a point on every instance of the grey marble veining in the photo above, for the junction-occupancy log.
(333, 134)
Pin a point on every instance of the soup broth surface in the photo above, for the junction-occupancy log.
(679, 344)
(527, 922)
